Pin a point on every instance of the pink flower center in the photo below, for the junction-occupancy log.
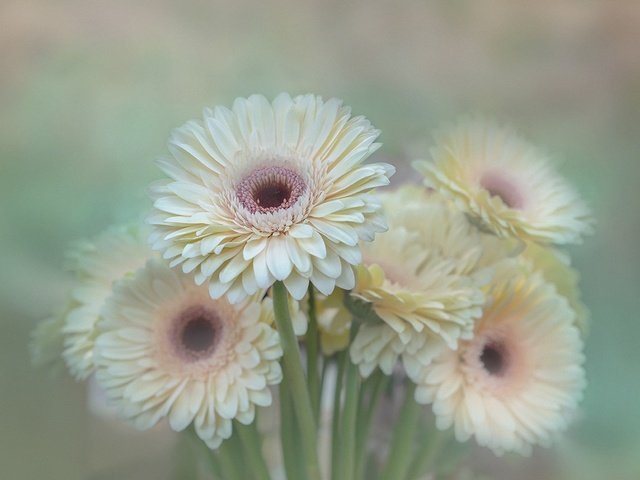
(269, 189)
(499, 186)
(196, 333)
(494, 358)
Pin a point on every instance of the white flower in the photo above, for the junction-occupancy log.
(518, 380)
(166, 349)
(97, 264)
(504, 184)
(269, 191)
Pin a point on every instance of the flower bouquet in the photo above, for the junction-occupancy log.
(295, 323)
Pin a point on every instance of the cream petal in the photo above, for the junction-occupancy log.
(314, 246)
(344, 234)
(264, 279)
(253, 247)
(297, 285)
(301, 230)
(324, 284)
(233, 268)
(261, 397)
(217, 289)
(330, 265)
(249, 281)
(278, 260)
(298, 256)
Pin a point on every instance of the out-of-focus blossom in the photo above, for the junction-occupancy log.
(504, 184)
(166, 349)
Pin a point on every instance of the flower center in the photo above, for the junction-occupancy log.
(494, 359)
(269, 189)
(197, 333)
(498, 186)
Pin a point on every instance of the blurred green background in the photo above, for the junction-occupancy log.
(90, 90)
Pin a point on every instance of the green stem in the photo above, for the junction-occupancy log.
(202, 451)
(399, 460)
(293, 369)
(379, 382)
(252, 448)
(229, 460)
(426, 456)
(349, 417)
(335, 420)
(348, 422)
(291, 454)
(450, 462)
(312, 342)
(323, 375)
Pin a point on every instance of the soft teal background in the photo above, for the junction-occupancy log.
(89, 91)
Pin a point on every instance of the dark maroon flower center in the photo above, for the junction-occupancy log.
(269, 189)
(197, 333)
(494, 359)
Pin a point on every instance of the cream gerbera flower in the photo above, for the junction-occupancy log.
(166, 349)
(97, 264)
(517, 382)
(423, 278)
(504, 184)
(269, 191)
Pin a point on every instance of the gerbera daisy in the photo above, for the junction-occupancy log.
(517, 381)
(97, 264)
(166, 349)
(423, 278)
(504, 184)
(269, 191)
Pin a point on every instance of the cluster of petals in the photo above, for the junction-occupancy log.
(463, 284)
(269, 191)
(423, 279)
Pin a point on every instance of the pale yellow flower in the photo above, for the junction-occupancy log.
(166, 349)
(504, 184)
(97, 264)
(517, 382)
(555, 267)
(423, 278)
(269, 191)
(334, 322)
